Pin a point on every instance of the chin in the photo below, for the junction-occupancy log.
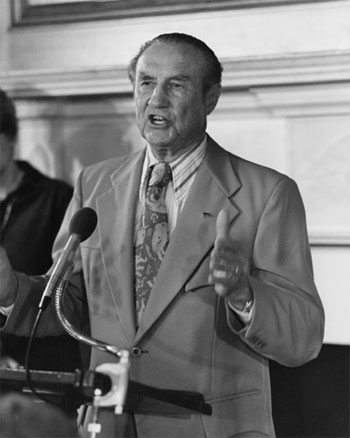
(162, 151)
(160, 148)
(158, 141)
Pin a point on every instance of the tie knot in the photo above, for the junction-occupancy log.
(160, 174)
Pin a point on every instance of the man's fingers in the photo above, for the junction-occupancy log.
(224, 263)
(224, 247)
(220, 289)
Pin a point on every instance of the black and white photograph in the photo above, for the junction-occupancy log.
(174, 218)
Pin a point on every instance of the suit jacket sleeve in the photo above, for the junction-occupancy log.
(288, 320)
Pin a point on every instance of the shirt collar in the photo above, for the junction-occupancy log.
(183, 168)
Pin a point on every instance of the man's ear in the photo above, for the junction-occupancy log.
(212, 97)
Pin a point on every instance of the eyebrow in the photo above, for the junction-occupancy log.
(184, 78)
(181, 78)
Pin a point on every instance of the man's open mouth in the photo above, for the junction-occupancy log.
(156, 120)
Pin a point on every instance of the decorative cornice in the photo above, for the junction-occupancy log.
(238, 73)
(55, 83)
(303, 68)
(296, 84)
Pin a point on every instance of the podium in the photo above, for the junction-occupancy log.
(79, 387)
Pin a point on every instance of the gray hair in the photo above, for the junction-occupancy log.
(214, 68)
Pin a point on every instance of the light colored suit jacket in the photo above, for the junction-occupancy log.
(190, 339)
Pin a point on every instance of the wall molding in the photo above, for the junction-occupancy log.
(301, 84)
(302, 68)
(238, 74)
(68, 82)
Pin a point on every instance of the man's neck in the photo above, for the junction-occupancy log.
(10, 180)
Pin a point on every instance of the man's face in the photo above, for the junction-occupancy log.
(6, 153)
(171, 109)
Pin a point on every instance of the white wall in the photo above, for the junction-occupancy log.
(285, 104)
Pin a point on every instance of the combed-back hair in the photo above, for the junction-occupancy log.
(214, 68)
(8, 118)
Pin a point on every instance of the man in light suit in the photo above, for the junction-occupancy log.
(235, 287)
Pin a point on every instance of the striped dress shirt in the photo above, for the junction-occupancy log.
(184, 170)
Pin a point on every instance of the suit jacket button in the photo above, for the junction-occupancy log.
(136, 352)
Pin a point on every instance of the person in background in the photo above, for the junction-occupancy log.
(32, 207)
(200, 265)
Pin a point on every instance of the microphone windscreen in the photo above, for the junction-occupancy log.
(83, 223)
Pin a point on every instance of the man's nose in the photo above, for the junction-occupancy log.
(159, 96)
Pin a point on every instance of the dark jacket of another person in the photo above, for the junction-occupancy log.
(30, 219)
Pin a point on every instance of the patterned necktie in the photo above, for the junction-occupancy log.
(152, 237)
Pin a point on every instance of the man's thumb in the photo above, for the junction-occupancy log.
(222, 225)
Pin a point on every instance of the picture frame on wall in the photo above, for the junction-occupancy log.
(38, 12)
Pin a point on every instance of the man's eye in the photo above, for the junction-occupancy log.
(176, 85)
(145, 84)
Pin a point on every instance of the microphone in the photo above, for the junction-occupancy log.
(81, 227)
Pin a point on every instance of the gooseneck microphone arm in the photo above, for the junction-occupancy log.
(74, 333)
(81, 227)
(117, 372)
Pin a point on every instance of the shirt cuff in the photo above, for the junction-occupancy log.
(6, 310)
(244, 316)
(4, 314)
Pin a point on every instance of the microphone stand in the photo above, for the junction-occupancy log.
(118, 372)
(100, 345)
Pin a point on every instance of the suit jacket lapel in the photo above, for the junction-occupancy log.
(194, 234)
(116, 224)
